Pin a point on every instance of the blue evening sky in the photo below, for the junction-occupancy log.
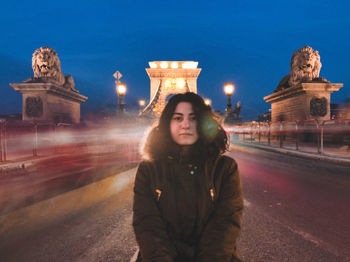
(249, 43)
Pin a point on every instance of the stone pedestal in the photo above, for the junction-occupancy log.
(49, 102)
(303, 102)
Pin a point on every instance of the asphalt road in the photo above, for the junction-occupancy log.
(295, 210)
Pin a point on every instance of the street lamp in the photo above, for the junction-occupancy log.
(142, 103)
(207, 101)
(121, 90)
(229, 88)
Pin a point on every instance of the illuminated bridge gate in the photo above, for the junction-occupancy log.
(170, 77)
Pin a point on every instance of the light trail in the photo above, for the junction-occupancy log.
(77, 157)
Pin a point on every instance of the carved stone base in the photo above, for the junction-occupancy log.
(304, 102)
(48, 102)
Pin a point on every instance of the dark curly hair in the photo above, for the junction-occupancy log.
(212, 139)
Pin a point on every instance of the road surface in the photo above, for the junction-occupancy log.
(295, 210)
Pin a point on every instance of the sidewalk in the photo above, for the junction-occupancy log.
(334, 158)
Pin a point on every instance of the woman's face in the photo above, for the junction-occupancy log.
(183, 125)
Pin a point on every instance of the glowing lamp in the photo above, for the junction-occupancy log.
(189, 65)
(164, 65)
(152, 65)
(229, 88)
(121, 89)
(207, 101)
(174, 65)
(142, 103)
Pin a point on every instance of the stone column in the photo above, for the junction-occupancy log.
(304, 102)
(48, 102)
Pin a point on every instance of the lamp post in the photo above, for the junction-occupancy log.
(229, 88)
(142, 103)
(121, 90)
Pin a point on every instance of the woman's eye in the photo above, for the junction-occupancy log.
(177, 118)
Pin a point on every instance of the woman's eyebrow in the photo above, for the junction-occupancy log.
(181, 114)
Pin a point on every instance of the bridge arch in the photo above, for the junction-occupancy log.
(168, 78)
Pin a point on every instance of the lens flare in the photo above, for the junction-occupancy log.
(209, 127)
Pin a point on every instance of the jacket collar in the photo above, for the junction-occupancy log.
(185, 154)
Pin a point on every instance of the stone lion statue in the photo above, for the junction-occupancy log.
(305, 66)
(47, 68)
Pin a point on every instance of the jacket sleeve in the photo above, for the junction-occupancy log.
(149, 227)
(218, 240)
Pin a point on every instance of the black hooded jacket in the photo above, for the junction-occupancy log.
(188, 209)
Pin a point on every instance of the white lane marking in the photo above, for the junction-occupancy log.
(308, 237)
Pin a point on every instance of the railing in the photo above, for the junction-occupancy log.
(330, 137)
(24, 139)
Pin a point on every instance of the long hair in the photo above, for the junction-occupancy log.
(212, 139)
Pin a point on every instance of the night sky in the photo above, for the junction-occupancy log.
(249, 43)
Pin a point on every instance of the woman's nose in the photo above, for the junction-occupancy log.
(185, 123)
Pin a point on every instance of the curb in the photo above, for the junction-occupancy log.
(329, 158)
(24, 163)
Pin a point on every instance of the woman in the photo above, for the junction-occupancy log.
(187, 197)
